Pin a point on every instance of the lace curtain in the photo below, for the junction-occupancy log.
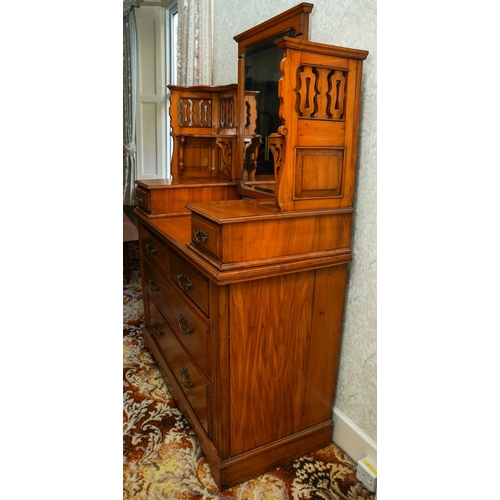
(129, 99)
(194, 52)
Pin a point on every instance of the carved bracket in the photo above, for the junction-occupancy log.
(277, 147)
(181, 141)
(226, 146)
(251, 145)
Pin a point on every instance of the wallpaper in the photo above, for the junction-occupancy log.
(348, 23)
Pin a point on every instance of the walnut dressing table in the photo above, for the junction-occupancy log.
(244, 252)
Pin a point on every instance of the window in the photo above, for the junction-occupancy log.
(172, 16)
(171, 43)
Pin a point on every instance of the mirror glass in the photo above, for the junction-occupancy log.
(262, 72)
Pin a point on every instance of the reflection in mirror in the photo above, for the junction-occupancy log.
(262, 72)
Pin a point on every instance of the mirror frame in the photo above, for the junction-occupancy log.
(296, 18)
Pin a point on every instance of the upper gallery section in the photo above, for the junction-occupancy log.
(287, 132)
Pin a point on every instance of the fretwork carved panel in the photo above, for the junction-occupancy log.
(227, 118)
(321, 93)
(195, 112)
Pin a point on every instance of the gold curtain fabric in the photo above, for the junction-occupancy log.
(194, 57)
(129, 100)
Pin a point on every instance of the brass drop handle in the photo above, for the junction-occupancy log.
(157, 327)
(139, 200)
(200, 235)
(184, 326)
(154, 286)
(186, 378)
(151, 249)
(184, 282)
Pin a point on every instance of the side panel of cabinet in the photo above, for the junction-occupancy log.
(284, 340)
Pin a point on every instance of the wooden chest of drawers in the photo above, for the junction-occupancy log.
(251, 358)
(244, 273)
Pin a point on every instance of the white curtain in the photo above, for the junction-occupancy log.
(129, 100)
(194, 57)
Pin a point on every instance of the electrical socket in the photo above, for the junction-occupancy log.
(366, 473)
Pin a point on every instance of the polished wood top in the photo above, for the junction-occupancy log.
(233, 211)
(322, 48)
(176, 229)
(205, 88)
(129, 230)
(183, 183)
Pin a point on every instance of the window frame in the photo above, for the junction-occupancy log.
(171, 18)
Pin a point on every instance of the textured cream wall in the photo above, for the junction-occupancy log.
(348, 23)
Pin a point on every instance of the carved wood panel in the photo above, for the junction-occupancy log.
(321, 93)
(319, 172)
(195, 112)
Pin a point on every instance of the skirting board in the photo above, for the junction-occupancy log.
(348, 436)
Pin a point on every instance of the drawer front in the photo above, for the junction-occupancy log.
(142, 199)
(191, 381)
(192, 332)
(154, 248)
(193, 284)
(157, 324)
(155, 285)
(206, 236)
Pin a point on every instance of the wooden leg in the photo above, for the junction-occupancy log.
(125, 257)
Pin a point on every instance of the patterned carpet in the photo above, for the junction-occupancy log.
(162, 459)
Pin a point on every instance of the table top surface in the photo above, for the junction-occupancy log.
(129, 230)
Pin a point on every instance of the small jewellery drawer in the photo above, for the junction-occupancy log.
(187, 375)
(193, 284)
(192, 332)
(206, 235)
(142, 199)
(153, 247)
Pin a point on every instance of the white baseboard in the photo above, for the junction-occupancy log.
(354, 441)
